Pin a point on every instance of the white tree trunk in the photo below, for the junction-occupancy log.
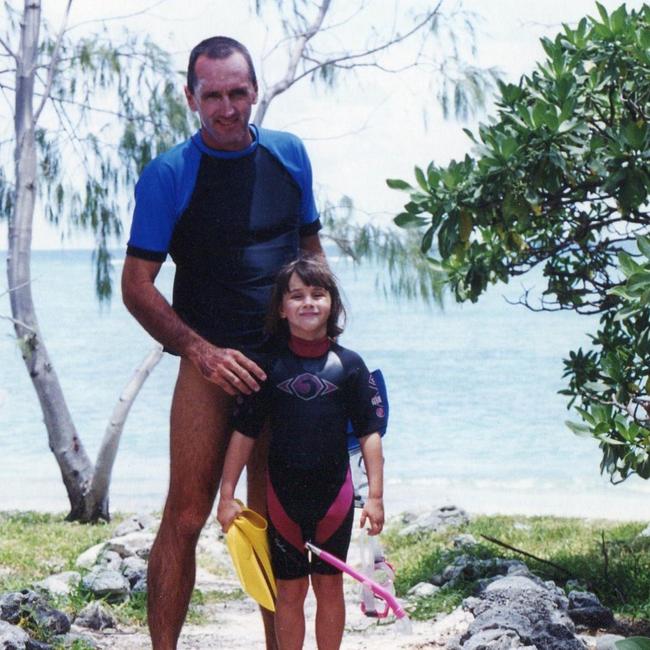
(97, 497)
(75, 466)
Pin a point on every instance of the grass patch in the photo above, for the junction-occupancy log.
(34, 545)
(606, 557)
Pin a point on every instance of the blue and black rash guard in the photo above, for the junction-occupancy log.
(230, 220)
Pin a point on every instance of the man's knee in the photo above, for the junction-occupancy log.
(187, 522)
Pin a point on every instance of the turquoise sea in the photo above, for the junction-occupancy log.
(475, 415)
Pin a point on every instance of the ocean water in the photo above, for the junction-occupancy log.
(475, 415)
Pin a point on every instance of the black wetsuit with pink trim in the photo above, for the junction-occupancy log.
(313, 390)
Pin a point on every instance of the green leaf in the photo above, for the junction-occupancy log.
(645, 298)
(627, 264)
(470, 135)
(508, 147)
(406, 220)
(618, 19)
(448, 236)
(643, 243)
(603, 13)
(420, 178)
(596, 386)
(620, 291)
(582, 430)
(636, 133)
(633, 643)
(626, 312)
(611, 441)
(397, 184)
(539, 114)
(427, 240)
(433, 177)
(639, 280)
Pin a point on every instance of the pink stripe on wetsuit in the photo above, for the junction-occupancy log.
(325, 528)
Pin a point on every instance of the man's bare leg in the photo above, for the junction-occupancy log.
(256, 497)
(200, 421)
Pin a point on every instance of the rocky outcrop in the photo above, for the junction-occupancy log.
(586, 610)
(12, 636)
(95, 616)
(518, 611)
(512, 607)
(435, 521)
(111, 572)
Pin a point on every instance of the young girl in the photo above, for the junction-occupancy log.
(314, 388)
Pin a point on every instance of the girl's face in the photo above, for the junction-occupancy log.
(306, 309)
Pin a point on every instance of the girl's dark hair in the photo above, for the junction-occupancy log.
(314, 272)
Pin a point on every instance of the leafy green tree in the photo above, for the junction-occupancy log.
(560, 181)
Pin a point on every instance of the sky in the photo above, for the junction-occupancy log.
(373, 125)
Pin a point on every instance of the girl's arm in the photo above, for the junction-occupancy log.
(239, 450)
(373, 458)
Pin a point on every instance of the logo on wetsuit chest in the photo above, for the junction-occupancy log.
(307, 386)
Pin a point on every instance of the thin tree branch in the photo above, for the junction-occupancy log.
(6, 292)
(9, 51)
(51, 69)
(94, 109)
(111, 18)
(494, 540)
(379, 48)
(20, 323)
(296, 55)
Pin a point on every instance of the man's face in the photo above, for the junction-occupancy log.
(223, 97)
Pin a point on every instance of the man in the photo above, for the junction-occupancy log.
(231, 205)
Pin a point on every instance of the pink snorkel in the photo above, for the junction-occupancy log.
(402, 620)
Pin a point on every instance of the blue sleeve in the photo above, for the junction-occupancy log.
(291, 152)
(368, 412)
(161, 194)
(309, 211)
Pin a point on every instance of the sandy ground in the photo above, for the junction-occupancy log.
(238, 625)
(234, 622)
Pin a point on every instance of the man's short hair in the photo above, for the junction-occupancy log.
(218, 47)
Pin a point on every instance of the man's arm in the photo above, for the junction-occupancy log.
(312, 244)
(229, 369)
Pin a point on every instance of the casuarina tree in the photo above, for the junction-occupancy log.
(90, 111)
(70, 164)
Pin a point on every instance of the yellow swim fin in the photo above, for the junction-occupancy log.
(248, 544)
